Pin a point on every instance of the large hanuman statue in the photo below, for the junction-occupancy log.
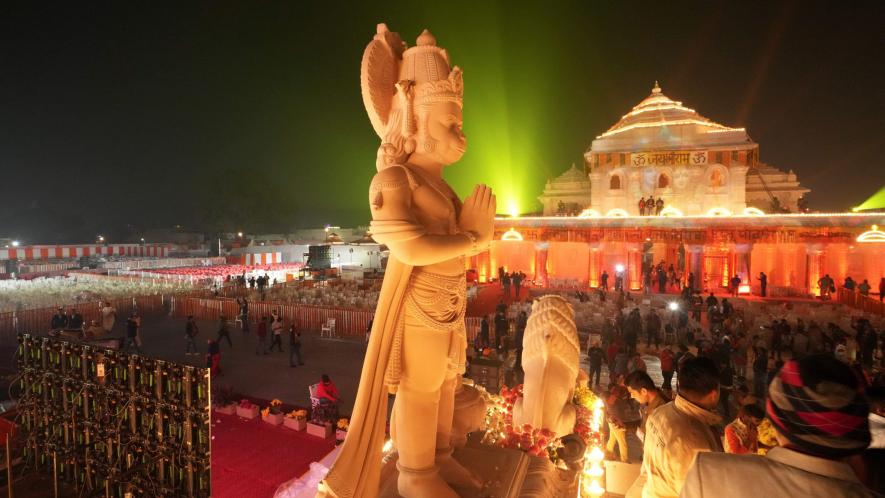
(418, 342)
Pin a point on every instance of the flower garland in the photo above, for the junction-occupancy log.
(500, 431)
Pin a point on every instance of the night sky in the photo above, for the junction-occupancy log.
(247, 116)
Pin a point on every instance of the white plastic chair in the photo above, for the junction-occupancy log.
(328, 328)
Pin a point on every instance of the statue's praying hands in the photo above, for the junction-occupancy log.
(478, 214)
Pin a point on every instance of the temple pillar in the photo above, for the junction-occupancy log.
(742, 263)
(483, 269)
(633, 280)
(595, 266)
(695, 264)
(541, 262)
(814, 268)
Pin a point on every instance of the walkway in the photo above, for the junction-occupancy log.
(251, 458)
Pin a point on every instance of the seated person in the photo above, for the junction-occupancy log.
(327, 392)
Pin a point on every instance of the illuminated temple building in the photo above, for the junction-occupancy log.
(726, 213)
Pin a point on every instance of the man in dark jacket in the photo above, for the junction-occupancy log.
(484, 333)
(132, 333)
(502, 327)
(294, 346)
(190, 333)
(763, 283)
(632, 328)
(521, 322)
(59, 320)
(596, 356)
(223, 333)
(76, 320)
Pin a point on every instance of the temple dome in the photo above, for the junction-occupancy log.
(659, 122)
(567, 193)
(572, 177)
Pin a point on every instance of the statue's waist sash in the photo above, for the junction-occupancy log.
(438, 303)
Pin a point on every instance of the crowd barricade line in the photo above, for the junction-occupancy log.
(47, 267)
(348, 322)
(37, 320)
(137, 264)
(857, 300)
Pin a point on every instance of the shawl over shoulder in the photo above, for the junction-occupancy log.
(356, 472)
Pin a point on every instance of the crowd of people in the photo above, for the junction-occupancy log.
(650, 206)
(269, 333)
(515, 280)
(667, 278)
(741, 370)
(71, 320)
(827, 286)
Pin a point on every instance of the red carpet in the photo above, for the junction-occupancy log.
(250, 458)
(489, 296)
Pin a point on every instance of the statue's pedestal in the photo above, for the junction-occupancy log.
(506, 474)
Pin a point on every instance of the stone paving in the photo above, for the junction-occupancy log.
(264, 376)
(259, 376)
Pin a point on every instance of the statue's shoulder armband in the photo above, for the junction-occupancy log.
(391, 182)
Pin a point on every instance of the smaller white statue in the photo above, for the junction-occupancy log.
(550, 359)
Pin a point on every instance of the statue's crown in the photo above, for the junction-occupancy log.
(427, 67)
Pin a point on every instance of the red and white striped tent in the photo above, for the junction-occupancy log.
(258, 258)
(37, 253)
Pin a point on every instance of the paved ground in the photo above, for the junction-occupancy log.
(265, 376)
(259, 376)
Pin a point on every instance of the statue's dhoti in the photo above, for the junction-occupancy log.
(434, 314)
(432, 345)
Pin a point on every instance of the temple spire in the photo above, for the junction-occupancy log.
(657, 89)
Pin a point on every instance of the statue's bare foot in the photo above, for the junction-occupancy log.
(422, 484)
(456, 474)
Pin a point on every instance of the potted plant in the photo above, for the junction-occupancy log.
(247, 409)
(296, 420)
(341, 429)
(225, 402)
(320, 428)
(273, 414)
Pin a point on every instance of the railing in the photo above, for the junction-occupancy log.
(138, 264)
(37, 267)
(857, 300)
(38, 320)
(349, 322)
